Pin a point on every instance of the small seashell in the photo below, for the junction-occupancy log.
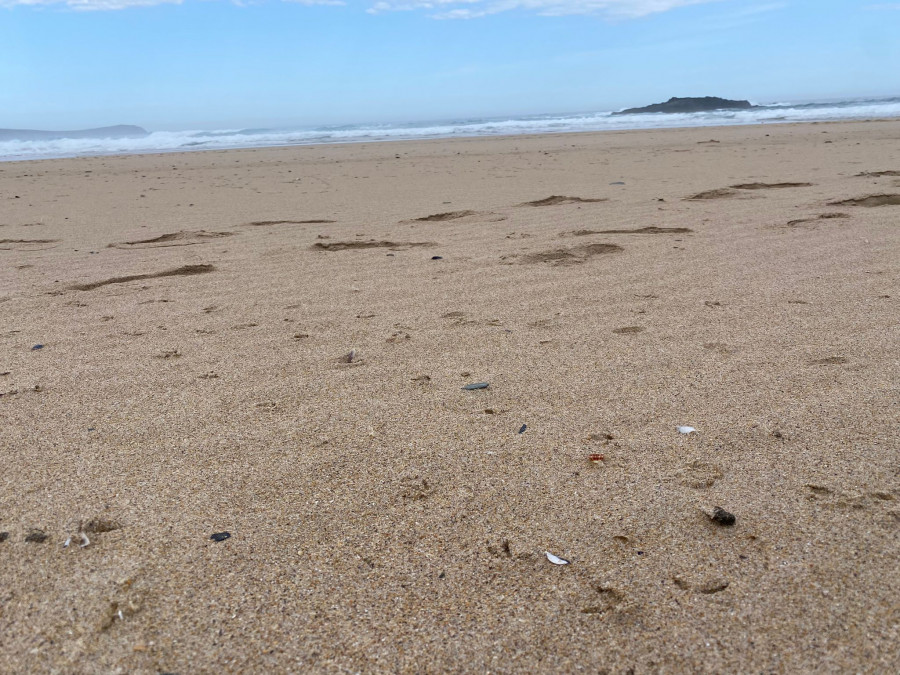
(555, 560)
(476, 385)
(84, 541)
(685, 430)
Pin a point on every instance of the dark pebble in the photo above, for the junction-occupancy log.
(722, 517)
(4, 536)
(36, 347)
(523, 428)
(437, 257)
(618, 182)
(36, 537)
(476, 385)
(220, 536)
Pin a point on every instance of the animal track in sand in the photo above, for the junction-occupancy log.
(870, 201)
(186, 270)
(460, 216)
(570, 256)
(555, 200)
(267, 223)
(768, 186)
(183, 238)
(650, 229)
(629, 330)
(347, 245)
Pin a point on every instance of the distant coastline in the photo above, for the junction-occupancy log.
(113, 132)
(689, 105)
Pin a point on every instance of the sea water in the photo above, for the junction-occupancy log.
(181, 141)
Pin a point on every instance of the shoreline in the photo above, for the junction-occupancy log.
(4, 160)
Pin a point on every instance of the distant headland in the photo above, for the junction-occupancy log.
(690, 105)
(118, 131)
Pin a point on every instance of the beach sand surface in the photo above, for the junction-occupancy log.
(263, 343)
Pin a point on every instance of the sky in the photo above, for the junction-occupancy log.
(220, 64)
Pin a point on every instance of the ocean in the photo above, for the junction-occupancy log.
(220, 139)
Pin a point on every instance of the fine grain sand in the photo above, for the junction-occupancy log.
(273, 343)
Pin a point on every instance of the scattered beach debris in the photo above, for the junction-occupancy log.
(220, 536)
(618, 182)
(350, 357)
(4, 536)
(555, 560)
(37, 347)
(36, 536)
(722, 517)
(476, 385)
(685, 430)
(437, 257)
(628, 330)
(85, 542)
(523, 428)
(596, 458)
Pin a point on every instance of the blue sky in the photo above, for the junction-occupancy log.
(218, 64)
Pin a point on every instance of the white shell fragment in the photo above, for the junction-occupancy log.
(685, 430)
(556, 560)
(84, 540)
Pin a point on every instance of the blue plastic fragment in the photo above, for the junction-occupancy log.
(476, 385)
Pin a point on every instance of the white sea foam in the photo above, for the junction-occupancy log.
(180, 141)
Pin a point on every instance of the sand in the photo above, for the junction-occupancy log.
(197, 314)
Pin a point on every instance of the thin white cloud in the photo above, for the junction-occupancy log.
(471, 9)
(101, 5)
(884, 5)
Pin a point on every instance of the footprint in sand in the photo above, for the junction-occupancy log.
(877, 174)
(459, 217)
(570, 256)
(821, 216)
(353, 245)
(830, 361)
(768, 186)
(869, 201)
(186, 270)
(183, 238)
(732, 191)
(556, 200)
(26, 244)
(650, 229)
(269, 223)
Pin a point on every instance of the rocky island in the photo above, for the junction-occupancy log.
(118, 131)
(690, 105)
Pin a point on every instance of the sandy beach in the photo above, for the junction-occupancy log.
(274, 344)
